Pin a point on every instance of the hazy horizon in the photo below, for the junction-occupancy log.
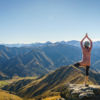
(44, 42)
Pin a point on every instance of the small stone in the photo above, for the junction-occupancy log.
(76, 92)
(85, 88)
(89, 90)
(86, 95)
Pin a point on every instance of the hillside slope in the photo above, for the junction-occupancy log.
(62, 54)
(4, 95)
(32, 63)
(3, 76)
(51, 82)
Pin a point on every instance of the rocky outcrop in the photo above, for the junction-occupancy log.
(81, 92)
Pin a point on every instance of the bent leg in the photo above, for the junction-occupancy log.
(77, 64)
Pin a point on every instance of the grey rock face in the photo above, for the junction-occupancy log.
(81, 92)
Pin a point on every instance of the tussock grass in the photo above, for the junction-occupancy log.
(6, 96)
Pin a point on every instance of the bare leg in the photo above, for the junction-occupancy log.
(86, 80)
(86, 77)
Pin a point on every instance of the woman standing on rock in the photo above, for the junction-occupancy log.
(86, 56)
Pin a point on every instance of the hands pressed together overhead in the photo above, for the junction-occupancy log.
(86, 36)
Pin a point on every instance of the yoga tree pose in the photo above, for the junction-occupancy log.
(86, 56)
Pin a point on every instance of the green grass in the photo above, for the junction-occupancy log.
(6, 82)
(4, 95)
(3, 83)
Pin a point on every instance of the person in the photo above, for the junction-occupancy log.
(86, 56)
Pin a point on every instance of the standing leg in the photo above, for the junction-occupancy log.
(86, 76)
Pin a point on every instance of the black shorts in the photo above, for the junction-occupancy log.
(87, 68)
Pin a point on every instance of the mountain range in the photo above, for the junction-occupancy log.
(51, 63)
(40, 60)
(38, 44)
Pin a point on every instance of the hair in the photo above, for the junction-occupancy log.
(86, 44)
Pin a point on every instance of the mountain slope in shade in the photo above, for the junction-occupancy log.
(51, 82)
(32, 63)
(6, 53)
(62, 54)
(96, 66)
(3, 76)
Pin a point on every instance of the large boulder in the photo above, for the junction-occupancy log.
(81, 92)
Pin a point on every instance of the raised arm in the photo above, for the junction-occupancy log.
(82, 41)
(90, 41)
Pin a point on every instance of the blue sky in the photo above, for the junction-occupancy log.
(29, 21)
